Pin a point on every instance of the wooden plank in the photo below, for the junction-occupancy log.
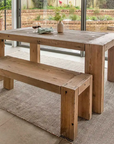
(43, 76)
(69, 113)
(68, 35)
(35, 53)
(70, 39)
(1, 51)
(37, 70)
(111, 64)
(85, 102)
(94, 64)
(32, 81)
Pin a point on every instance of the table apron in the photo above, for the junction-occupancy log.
(48, 42)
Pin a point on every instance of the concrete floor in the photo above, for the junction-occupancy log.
(14, 130)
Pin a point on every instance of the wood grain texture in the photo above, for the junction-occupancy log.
(106, 40)
(94, 64)
(111, 64)
(40, 75)
(85, 102)
(69, 113)
(81, 81)
(34, 52)
(70, 39)
(43, 76)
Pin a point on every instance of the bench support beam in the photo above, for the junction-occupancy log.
(69, 113)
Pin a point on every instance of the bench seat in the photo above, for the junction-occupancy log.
(75, 88)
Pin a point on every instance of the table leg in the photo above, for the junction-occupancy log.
(94, 64)
(1, 52)
(8, 83)
(69, 113)
(111, 65)
(35, 53)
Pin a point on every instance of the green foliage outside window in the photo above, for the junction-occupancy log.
(58, 15)
(8, 4)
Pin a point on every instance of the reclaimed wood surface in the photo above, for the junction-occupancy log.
(43, 76)
(70, 39)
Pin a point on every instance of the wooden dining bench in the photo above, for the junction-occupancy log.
(75, 88)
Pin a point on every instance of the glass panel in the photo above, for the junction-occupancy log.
(6, 15)
(100, 16)
(45, 13)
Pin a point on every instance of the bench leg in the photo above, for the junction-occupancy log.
(69, 113)
(111, 64)
(85, 103)
(35, 52)
(8, 83)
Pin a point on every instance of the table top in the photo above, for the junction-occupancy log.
(70, 38)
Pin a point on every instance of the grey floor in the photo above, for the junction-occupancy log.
(14, 130)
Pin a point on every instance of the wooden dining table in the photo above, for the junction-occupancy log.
(95, 44)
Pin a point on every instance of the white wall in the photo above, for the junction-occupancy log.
(78, 3)
(27, 4)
